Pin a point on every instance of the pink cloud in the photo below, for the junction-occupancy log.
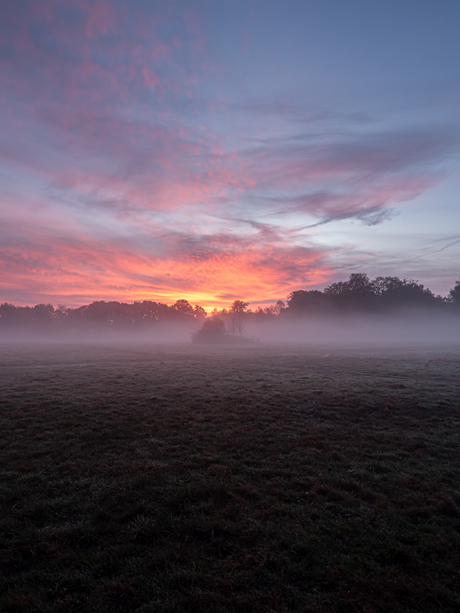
(64, 265)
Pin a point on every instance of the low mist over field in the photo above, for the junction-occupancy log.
(407, 329)
(355, 312)
(416, 328)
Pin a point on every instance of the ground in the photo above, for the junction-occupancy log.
(256, 478)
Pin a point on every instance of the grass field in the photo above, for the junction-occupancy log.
(256, 478)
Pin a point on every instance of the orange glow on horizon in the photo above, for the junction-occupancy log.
(79, 273)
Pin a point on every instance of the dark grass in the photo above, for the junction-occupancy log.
(229, 479)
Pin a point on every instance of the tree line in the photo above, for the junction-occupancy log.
(98, 316)
(359, 294)
(380, 295)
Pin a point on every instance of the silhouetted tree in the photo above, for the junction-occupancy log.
(43, 312)
(279, 307)
(183, 308)
(237, 314)
(454, 294)
(43, 320)
(212, 331)
(199, 312)
(9, 314)
(356, 293)
(239, 306)
(396, 293)
(302, 302)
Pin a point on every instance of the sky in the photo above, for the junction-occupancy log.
(216, 150)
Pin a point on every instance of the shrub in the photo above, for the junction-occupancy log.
(212, 331)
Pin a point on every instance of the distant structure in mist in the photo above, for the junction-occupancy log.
(358, 295)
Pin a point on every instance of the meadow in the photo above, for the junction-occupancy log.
(260, 478)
